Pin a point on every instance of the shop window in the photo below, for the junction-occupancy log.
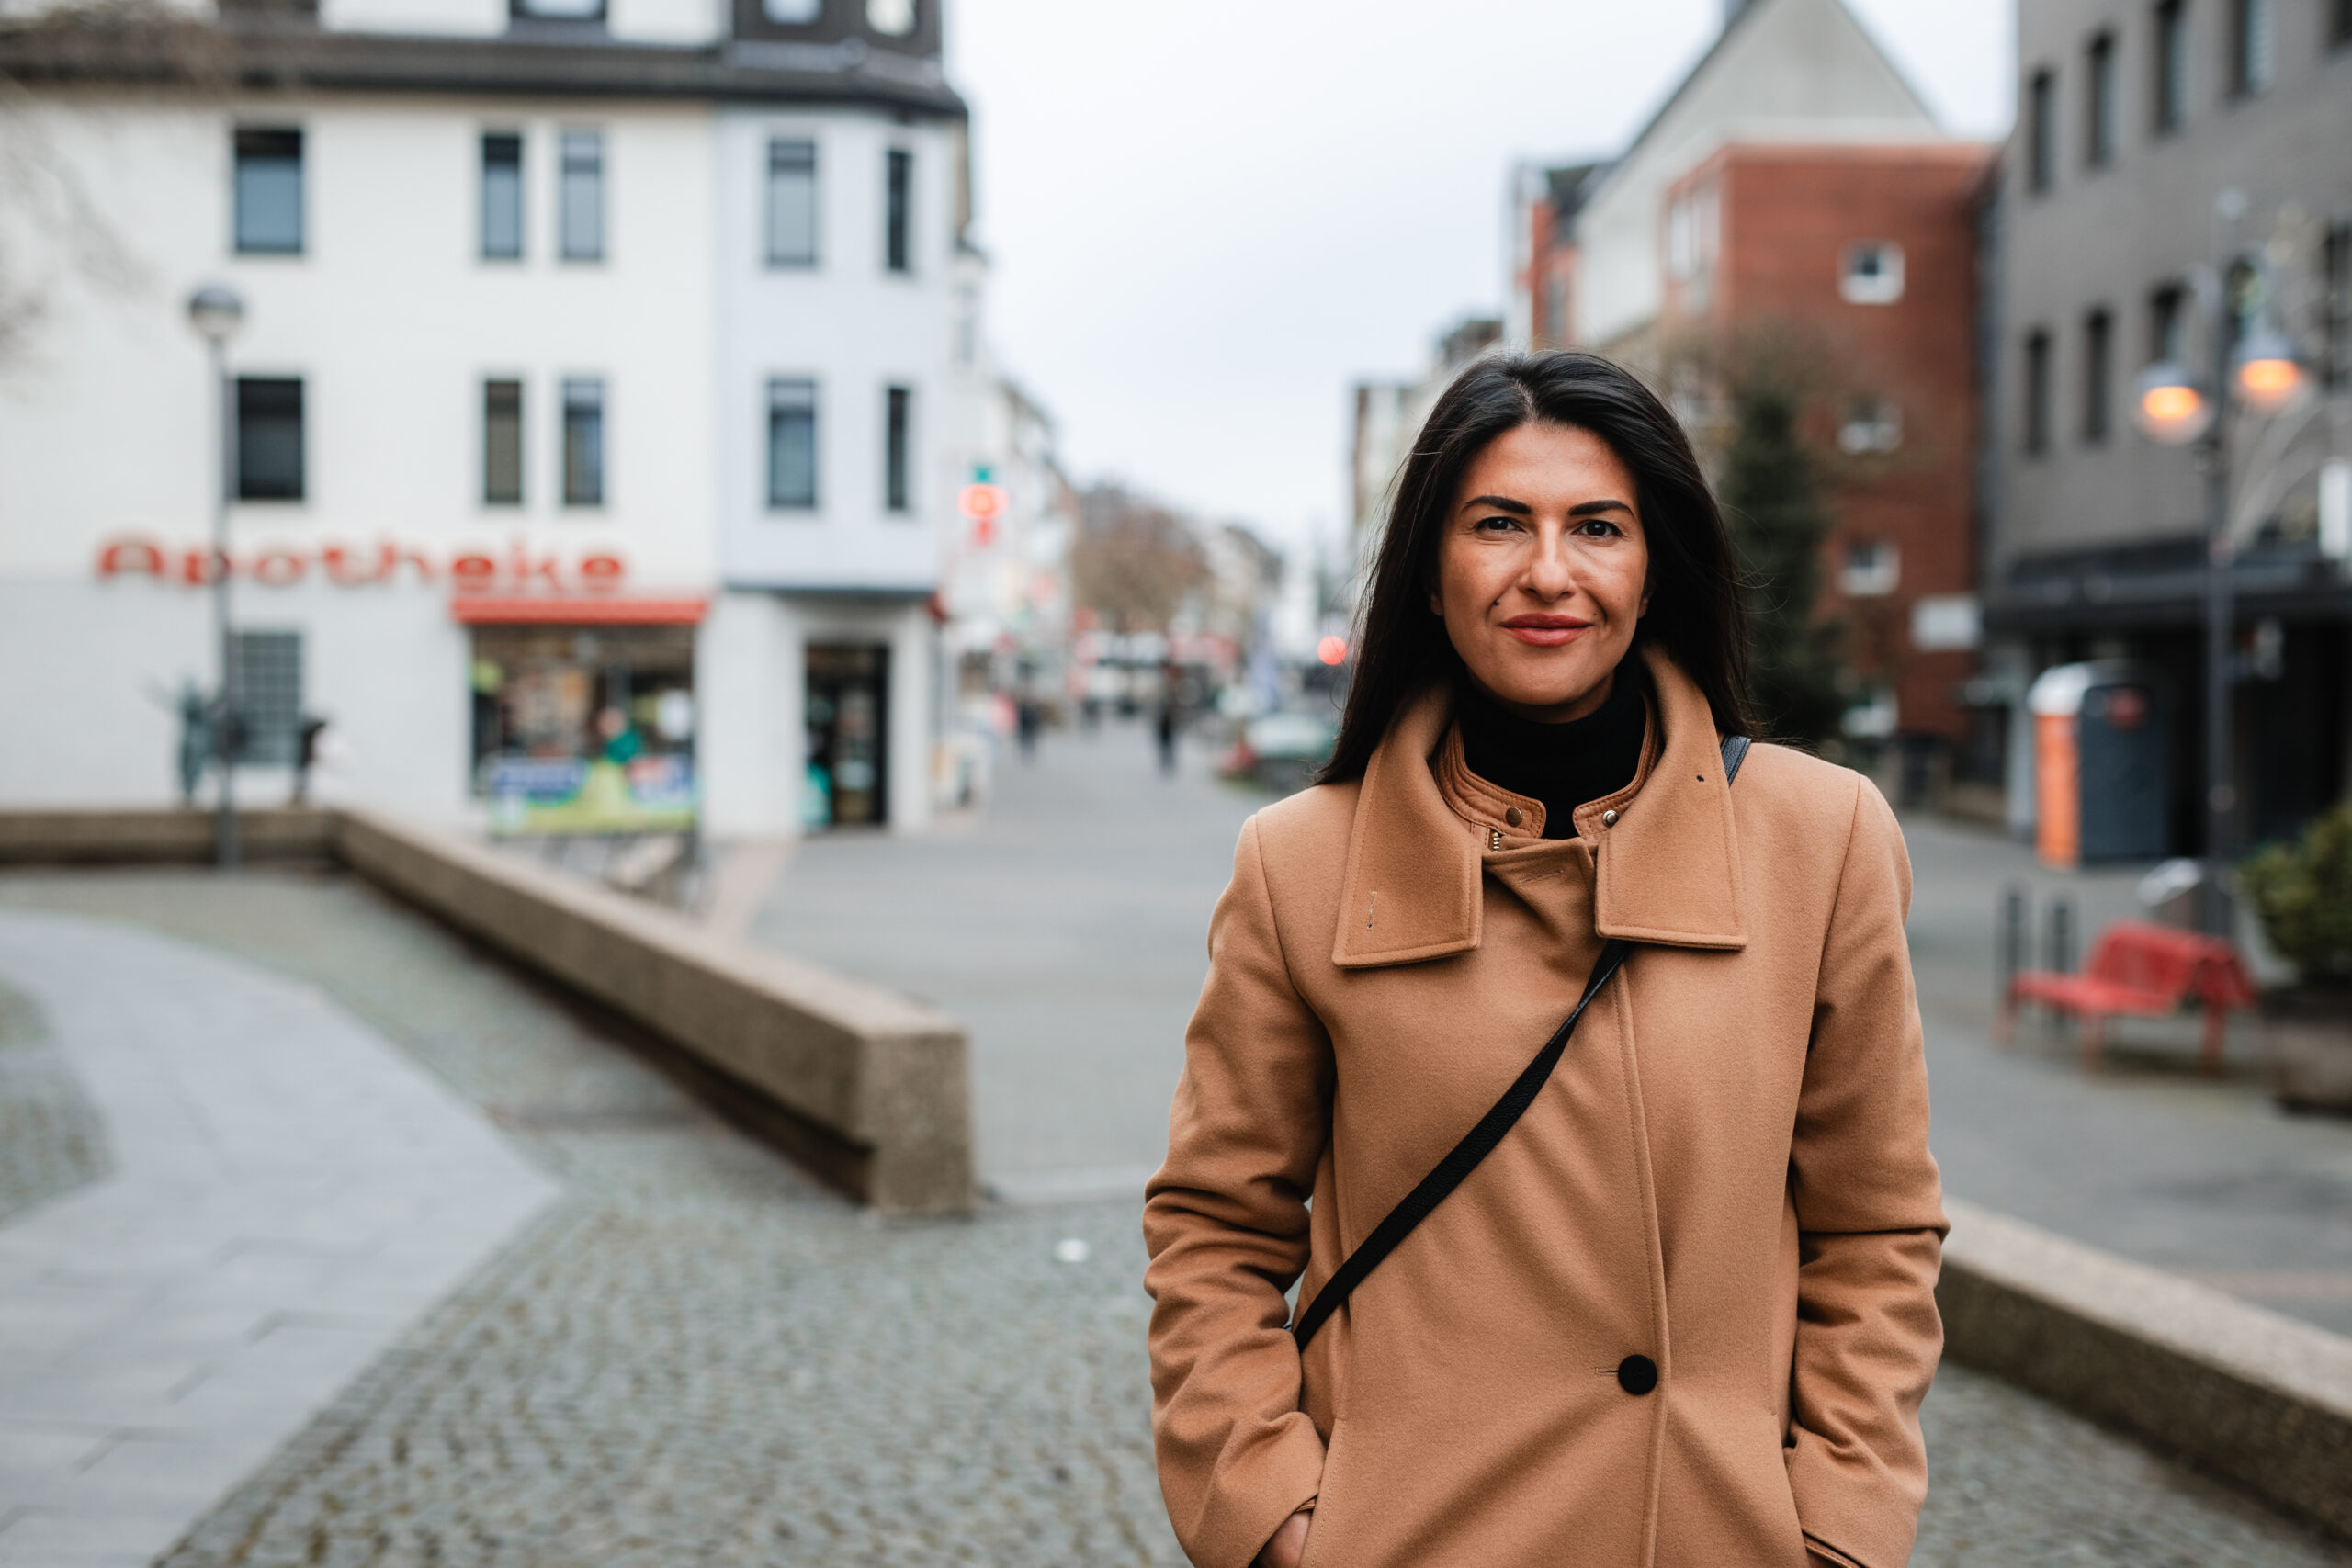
(897, 199)
(267, 678)
(2098, 139)
(2041, 132)
(792, 203)
(502, 196)
(1871, 273)
(2098, 376)
(269, 438)
(898, 417)
(2172, 66)
(582, 220)
(1871, 424)
(1870, 571)
(2252, 47)
(846, 710)
(2037, 393)
(792, 445)
(268, 194)
(584, 442)
(502, 443)
(581, 729)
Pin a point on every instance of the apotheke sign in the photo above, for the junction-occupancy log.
(517, 570)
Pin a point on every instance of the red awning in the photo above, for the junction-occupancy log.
(576, 609)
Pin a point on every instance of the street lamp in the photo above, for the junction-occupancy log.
(216, 312)
(2174, 409)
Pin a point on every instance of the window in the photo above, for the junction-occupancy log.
(2037, 392)
(898, 408)
(2169, 326)
(502, 443)
(2098, 373)
(2339, 23)
(1871, 569)
(2252, 42)
(792, 13)
(1871, 273)
(792, 445)
(1871, 424)
(792, 203)
(582, 219)
(502, 196)
(898, 172)
(584, 442)
(2172, 66)
(2042, 107)
(269, 438)
(265, 675)
(894, 18)
(2098, 141)
(560, 10)
(269, 192)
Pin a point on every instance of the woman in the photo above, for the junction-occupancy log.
(1682, 1314)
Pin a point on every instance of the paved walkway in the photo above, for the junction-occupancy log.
(287, 1193)
(699, 1359)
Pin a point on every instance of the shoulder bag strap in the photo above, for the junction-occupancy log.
(1481, 1140)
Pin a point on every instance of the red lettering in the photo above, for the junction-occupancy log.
(199, 567)
(523, 567)
(472, 572)
(396, 555)
(335, 560)
(130, 556)
(280, 567)
(602, 571)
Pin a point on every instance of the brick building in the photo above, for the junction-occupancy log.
(1854, 266)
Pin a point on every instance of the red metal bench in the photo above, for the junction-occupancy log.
(2144, 971)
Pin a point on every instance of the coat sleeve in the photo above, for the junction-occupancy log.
(1870, 1221)
(1225, 1223)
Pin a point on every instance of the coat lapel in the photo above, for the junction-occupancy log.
(1667, 872)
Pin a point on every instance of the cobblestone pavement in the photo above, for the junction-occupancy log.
(701, 1358)
(50, 1140)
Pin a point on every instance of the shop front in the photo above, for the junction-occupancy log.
(846, 709)
(583, 717)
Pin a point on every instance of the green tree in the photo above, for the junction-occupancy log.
(1773, 501)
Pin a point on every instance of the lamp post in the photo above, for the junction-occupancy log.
(2259, 374)
(216, 312)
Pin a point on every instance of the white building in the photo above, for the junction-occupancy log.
(599, 404)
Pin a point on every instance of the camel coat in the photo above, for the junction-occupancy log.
(1727, 1173)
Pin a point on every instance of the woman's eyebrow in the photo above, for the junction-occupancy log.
(1589, 508)
(1500, 503)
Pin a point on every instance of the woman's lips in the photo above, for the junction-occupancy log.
(1546, 631)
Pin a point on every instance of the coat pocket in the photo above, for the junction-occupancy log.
(1331, 1521)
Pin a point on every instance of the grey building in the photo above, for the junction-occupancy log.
(2134, 118)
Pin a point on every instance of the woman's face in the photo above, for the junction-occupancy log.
(1544, 570)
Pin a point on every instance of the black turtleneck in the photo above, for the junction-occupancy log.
(1560, 765)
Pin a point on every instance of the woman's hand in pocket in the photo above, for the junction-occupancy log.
(1289, 1543)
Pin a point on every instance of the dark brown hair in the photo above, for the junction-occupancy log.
(1696, 612)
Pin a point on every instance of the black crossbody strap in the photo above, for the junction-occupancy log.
(1480, 1140)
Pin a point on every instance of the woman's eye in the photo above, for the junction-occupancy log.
(1497, 523)
(1598, 528)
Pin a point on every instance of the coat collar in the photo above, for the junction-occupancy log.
(1668, 871)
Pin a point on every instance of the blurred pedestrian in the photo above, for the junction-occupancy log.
(1675, 1303)
(1163, 724)
(1028, 717)
(306, 755)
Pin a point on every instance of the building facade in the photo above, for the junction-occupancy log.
(2163, 153)
(608, 375)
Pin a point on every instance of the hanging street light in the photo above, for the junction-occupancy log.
(2269, 380)
(216, 312)
(2169, 407)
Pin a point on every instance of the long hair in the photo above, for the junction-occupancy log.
(1696, 614)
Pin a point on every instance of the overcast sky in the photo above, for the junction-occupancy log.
(1207, 219)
